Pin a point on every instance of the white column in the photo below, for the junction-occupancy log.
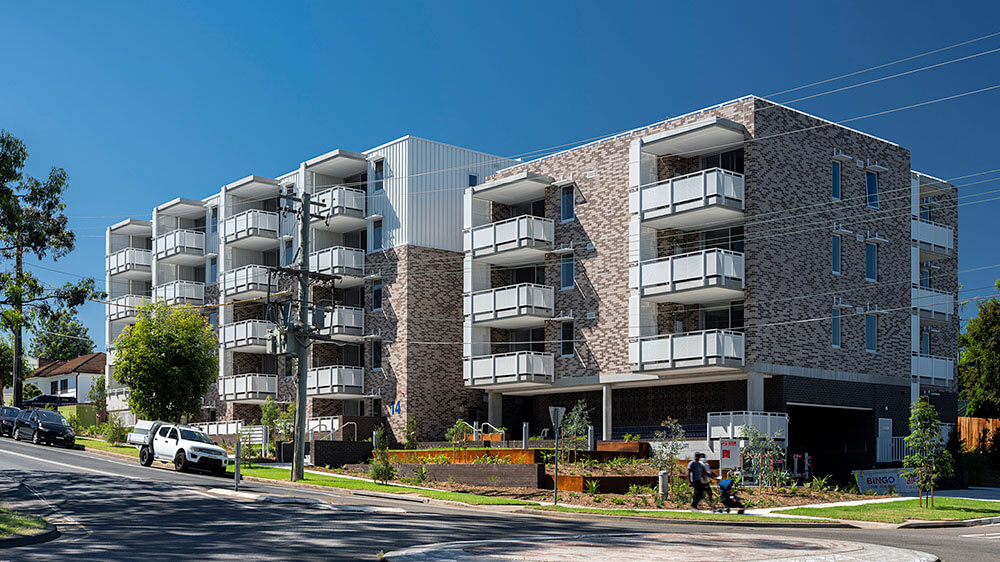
(606, 413)
(914, 389)
(755, 392)
(494, 403)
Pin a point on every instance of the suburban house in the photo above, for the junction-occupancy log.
(71, 378)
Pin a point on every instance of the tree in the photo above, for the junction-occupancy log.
(979, 361)
(574, 424)
(29, 391)
(269, 414)
(60, 336)
(167, 359)
(32, 222)
(98, 395)
(7, 365)
(928, 461)
(668, 443)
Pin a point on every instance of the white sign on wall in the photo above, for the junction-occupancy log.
(729, 454)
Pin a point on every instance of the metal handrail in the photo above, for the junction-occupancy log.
(685, 176)
(512, 219)
(506, 354)
(721, 331)
(483, 291)
(686, 254)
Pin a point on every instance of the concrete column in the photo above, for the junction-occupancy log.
(606, 413)
(755, 392)
(494, 403)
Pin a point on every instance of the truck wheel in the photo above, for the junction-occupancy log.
(145, 456)
(180, 462)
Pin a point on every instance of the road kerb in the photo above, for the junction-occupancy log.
(778, 523)
(50, 532)
(943, 524)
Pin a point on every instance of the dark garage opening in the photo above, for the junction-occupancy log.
(839, 440)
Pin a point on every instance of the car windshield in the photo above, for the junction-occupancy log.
(51, 417)
(8, 412)
(192, 435)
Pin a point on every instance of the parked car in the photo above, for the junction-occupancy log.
(7, 416)
(46, 400)
(185, 446)
(44, 426)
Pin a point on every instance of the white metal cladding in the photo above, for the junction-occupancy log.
(336, 379)
(935, 301)
(180, 291)
(729, 425)
(685, 271)
(939, 369)
(338, 260)
(509, 234)
(125, 307)
(343, 320)
(506, 302)
(248, 333)
(179, 241)
(687, 349)
(932, 236)
(253, 222)
(506, 368)
(129, 259)
(254, 386)
(391, 201)
(246, 278)
(692, 191)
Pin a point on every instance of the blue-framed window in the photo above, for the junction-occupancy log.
(567, 272)
(836, 329)
(376, 354)
(473, 180)
(871, 333)
(568, 200)
(378, 174)
(215, 219)
(567, 345)
(871, 262)
(835, 190)
(835, 244)
(213, 271)
(377, 235)
(377, 295)
(871, 189)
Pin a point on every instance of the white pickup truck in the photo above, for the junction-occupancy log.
(185, 446)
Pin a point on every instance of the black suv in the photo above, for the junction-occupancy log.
(7, 416)
(44, 426)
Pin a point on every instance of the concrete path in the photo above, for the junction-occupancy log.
(662, 546)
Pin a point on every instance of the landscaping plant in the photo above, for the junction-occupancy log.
(410, 437)
(928, 461)
(269, 413)
(574, 425)
(458, 435)
(381, 470)
(114, 431)
(763, 457)
(669, 442)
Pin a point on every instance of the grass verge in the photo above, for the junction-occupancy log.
(700, 516)
(105, 446)
(13, 524)
(283, 474)
(945, 509)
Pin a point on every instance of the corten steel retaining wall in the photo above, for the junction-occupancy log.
(509, 456)
(605, 484)
(499, 475)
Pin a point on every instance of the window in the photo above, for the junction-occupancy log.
(213, 271)
(836, 180)
(568, 272)
(378, 174)
(376, 354)
(531, 274)
(289, 252)
(925, 343)
(925, 212)
(722, 317)
(54, 387)
(567, 346)
(64, 385)
(731, 161)
(925, 278)
(376, 407)
(871, 189)
(473, 180)
(377, 295)
(377, 235)
(871, 333)
(723, 238)
(163, 432)
(871, 262)
(213, 319)
(173, 433)
(215, 219)
(835, 340)
(568, 202)
(835, 251)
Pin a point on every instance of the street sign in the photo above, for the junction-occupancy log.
(729, 454)
(556, 414)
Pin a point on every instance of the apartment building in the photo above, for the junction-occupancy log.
(747, 257)
(390, 228)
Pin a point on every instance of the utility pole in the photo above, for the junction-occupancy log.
(298, 461)
(18, 311)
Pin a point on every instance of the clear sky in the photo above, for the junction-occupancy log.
(142, 102)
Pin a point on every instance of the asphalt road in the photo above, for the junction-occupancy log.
(109, 509)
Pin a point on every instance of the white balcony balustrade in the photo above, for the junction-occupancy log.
(336, 382)
(713, 196)
(253, 230)
(181, 247)
(693, 278)
(509, 370)
(249, 336)
(126, 308)
(342, 209)
(688, 352)
(117, 399)
(348, 263)
(247, 281)
(131, 263)
(932, 368)
(519, 240)
(252, 388)
(180, 292)
(516, 306)
(343, 322)
(936, 241)
(933, 305)
(732, 425)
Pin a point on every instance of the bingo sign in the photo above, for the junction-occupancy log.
(729, 454)
(885, 480)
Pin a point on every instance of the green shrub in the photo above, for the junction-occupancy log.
(420, 474)
(381, 470)
(410, 436)
(591, 487)
(628, 438)
(820, 482)
(114, 431)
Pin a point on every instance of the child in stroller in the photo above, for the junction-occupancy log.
(729, 498)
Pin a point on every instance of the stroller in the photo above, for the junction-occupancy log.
(729, 498)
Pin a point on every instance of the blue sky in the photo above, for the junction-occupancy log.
(144, 102)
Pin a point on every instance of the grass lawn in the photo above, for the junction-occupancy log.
(105, 446)
(672, 514)
(351, 484)
(12, 523)
(945, 509)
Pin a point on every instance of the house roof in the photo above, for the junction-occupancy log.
(90, 363)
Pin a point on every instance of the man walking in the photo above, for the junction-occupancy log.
(696, 474)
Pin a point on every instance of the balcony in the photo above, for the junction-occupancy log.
(694, 278)
(933, 368)
(509, 371)
(348, 263)
(520, 240)
(936, 241)
(117, 399)
(131, 263)
(249, 388)
(125, 308)
(180, 292)
(336, 382)
(712, 197)
(689, 352)
(342, 209)
(516, 306)
(343, 323)
(933, 305)
(730, 425)
(249, 336)
(252, 230)
(518, 188)
(246, 281)
(181, 247)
